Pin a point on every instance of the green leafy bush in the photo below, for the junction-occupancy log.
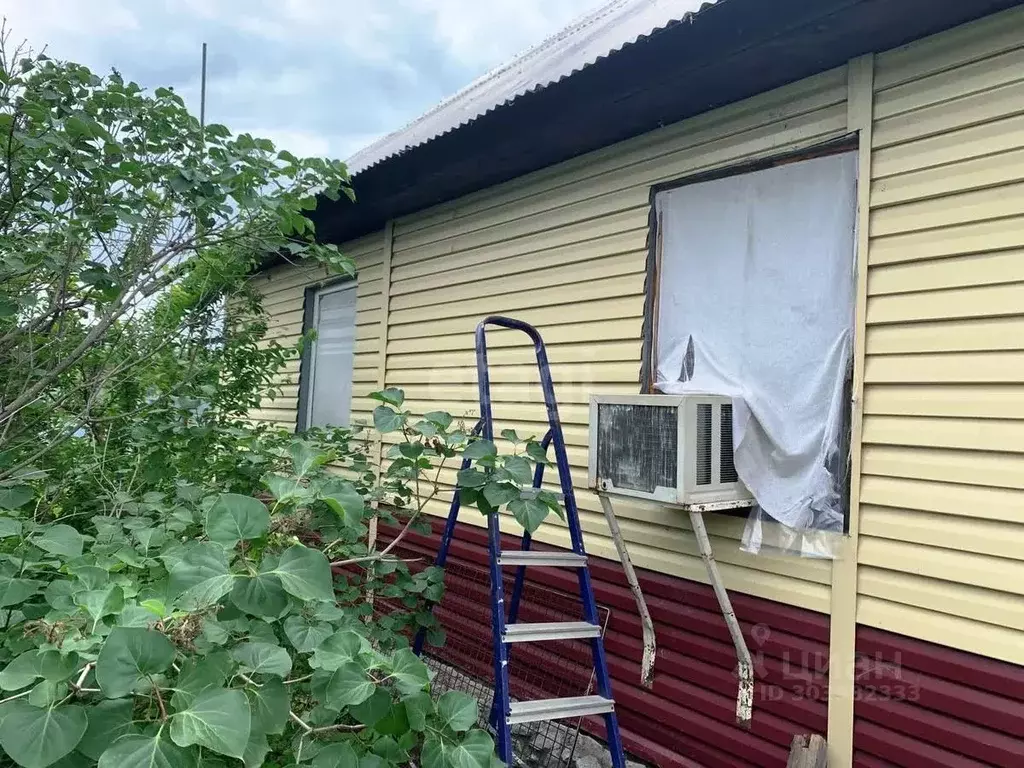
(196, 627)
(178, 585)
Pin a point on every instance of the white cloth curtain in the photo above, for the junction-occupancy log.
(756, 301)
(331, 390)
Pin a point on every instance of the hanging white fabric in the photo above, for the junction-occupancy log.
(756, 301)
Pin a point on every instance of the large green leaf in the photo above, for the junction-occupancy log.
(388, 747)
(306, 458)
(31, 665)
(60, 595)
(387, 420)
(22, 671)
(129, 656)
(57, 665)
(14, 496)
(47, 693)
(90, 576)
(218, 719)
(391, 395)
(530, 513)
(395, 722)
(457, 711)
(263, 658)
(9, 527)
(101, 602)
(473, 751)
(256, 749)
(260, 595)
(471, 478)
(440, 418)
(16, 591)
(134, 751)
(337, 755)
(499, 494)
(134, 615)
(409, 672)
(305, 573)
(536, 452)
(417, 708)
(200, 577)
(306, 636)
(374, 709)
(60, 540)
(199, 674)
(519, 468)
(34, 737)
(108, 722)
(343, 499)
(270, 704)
(342, 647)
(480, 449)
(285, 488)
(343, 687)
(149, 538)
(234, 517)
(261, 631)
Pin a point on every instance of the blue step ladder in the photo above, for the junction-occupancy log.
(505, 713)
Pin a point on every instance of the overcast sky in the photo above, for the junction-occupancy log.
(322, 77)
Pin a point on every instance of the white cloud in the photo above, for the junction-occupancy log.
(470, 29)
(317, 76)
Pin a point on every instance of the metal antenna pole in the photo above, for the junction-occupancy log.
(202, 92)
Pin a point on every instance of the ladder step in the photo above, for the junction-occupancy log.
(553, 559)
(554, 630)
(554, 709)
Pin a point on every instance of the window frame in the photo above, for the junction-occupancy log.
(307, 362)
(652, 280)
(849, 142)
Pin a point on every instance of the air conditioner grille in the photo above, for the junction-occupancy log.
(636, 446)
(702, 450)
(727, 463)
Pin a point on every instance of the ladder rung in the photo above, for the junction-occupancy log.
(553, 559)
(554, 709)
(554, 630)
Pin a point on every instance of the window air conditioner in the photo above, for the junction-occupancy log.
(675, 449)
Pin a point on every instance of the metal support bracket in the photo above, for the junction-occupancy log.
(745, 667)
(650, 646)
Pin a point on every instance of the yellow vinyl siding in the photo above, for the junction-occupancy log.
(283, 288)
(941, 516)
(565, 249)
(941, 542)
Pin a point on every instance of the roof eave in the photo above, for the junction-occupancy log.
(732, 50)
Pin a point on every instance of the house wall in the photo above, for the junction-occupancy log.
(687, 719)
(941, 534)
(283, 289)
(936, 553)
(565, 249)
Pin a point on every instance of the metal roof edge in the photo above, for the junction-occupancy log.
(655, 15)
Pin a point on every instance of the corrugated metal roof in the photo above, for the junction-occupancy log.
(611, 27)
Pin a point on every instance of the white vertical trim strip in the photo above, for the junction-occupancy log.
(843, 626)
(377, 452)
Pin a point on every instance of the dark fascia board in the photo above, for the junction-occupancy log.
(729, 52)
